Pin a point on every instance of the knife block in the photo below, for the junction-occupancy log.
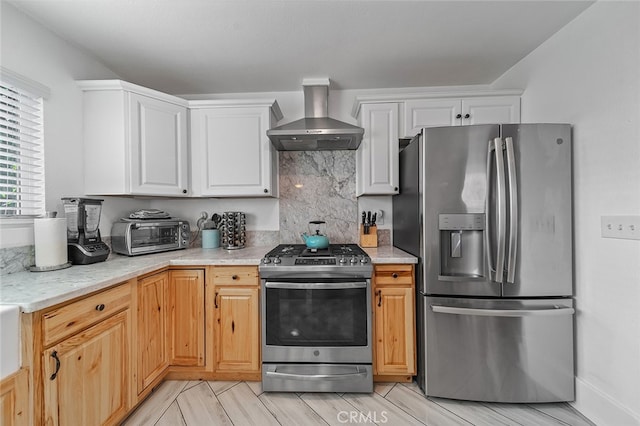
(370, 239)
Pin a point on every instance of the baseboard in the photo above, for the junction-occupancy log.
(601, 408)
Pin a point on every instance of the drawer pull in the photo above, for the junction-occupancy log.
(100, 307)
(234, 277)
(394, 275)
(54, 355)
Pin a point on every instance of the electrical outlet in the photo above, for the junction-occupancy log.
(624, 227)
(379, 217)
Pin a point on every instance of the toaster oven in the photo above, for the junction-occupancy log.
(132, 237)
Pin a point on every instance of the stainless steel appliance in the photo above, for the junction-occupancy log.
(317, 131)
(233, 230)
(316, 319)
(487, 209)
(133, 237)
(84, 244)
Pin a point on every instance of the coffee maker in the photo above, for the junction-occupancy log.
(84, 244)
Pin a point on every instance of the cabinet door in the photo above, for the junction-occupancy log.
(86, 377)
(394, 331)
(377, 156)
(14, 400)
(186, 296)
(421, 113)
(158, 143)
(237, 329)
(153, 347)
(231, 153)
(491, 110)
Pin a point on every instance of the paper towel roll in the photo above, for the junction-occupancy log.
(50, 236)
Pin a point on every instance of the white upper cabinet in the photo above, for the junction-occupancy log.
(231, 155)
(377, 155)
(386, 118)
(135, 140)
(420, 113)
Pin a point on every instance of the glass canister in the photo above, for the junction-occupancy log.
(233, 230)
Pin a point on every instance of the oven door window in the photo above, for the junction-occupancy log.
(153, 236)
(316, 317)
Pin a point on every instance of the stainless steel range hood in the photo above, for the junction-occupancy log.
(316, 132)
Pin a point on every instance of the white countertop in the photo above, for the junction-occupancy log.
(33, 291)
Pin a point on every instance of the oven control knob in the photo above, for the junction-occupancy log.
(353, 260)
(266, 260)
(277, 260)
(364, 260)
(343, 260)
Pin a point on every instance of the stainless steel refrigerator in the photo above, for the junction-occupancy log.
(487, 209)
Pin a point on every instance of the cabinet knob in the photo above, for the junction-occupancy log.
(394, 275)
(459, 116)
(100, 307)
(395, 189)
(467, 116)
(234, 277)
(379, 297)
(266, 191)
(184, 191)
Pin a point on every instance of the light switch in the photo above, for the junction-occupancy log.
(623, 227)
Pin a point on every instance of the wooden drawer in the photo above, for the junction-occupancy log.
(69, 319)
(235, 275)
(393, 274)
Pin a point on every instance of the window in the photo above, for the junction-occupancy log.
(21, 148)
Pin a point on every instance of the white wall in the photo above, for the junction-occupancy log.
(588, 74)
(34, 52)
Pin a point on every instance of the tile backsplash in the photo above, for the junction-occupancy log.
(318, 185)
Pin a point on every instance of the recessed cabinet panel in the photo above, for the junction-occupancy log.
(86, 376)
(159, 156)
(231, 155)
(429, 113)
(377, 156)
(233, 144)
(489, 110)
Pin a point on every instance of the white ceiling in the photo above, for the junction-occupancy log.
(212, 46)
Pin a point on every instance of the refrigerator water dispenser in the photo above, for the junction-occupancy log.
(461, 246)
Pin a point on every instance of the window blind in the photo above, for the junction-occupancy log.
(21, 152)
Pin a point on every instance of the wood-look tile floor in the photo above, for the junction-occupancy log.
(201, 403)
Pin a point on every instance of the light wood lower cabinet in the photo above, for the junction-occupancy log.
(86, 371)
(152, 329)
(187, 308)
(394, 322)
(13, 399)
(236, 322)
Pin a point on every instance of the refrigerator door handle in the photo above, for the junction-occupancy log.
(548, 311)
(513, 211)
(496, 274)
(487, 216)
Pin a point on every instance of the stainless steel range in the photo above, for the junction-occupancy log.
(316, 319)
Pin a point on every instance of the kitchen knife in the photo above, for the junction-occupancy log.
(373, 219)
(365, 224)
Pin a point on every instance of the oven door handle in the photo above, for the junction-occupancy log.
(315, 285)
(345, 376)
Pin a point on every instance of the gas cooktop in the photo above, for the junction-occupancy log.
(298, 256)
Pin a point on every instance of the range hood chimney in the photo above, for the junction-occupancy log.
(316, 132)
